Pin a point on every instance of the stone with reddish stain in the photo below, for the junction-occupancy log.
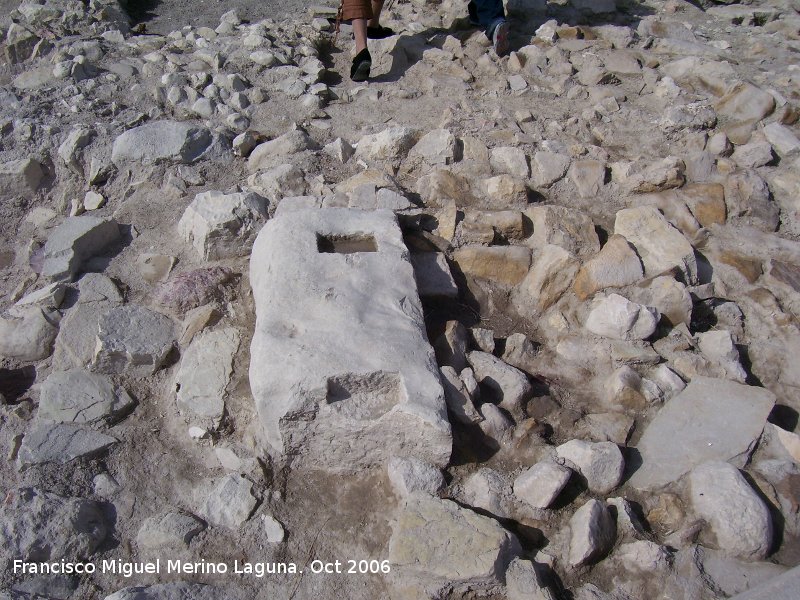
(195, 288)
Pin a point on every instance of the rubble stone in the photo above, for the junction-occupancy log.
(77, 396)
(73, 242)
(540, 485)
(601, 463)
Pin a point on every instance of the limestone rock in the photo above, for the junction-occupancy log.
(433, 276)
(488, 490)
(507, 265)
(660, 246)
(541, 484)
(273, 528)
(168, 530)
(520, 352)
(783, 139)
(133, 339)
(601, 463)
(409, 475)
(223, 225)
(27, 333)
(712, 419)
(568, 228)
(437, 147)
(204, 374)
(524, 583)
(61, 443)
(669, 297)
(618, 318)
(548, 167)
(589, 176)
(75, 343)
(39, 526)
(495, 423)
(510, 161)
(320, 277)
(551, 275)
(509, 384)
(438, 539)
(592, 533)
(291, 142)
(756, 153)
(78, 396)
(230, 502)
(451, 347)
(458, 398)
(390, 144)
(746, 102)
(718, 346)
(276, 183)
(73, 242)
(616, 265)
(167, 141)
(739, 519)
(20, 178)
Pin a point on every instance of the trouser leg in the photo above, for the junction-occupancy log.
(489, 13)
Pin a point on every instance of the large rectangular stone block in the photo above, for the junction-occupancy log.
(341, 369)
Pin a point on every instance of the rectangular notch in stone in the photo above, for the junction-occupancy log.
(346, 244)
(364, 396)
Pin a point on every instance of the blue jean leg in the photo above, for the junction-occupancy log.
(490, 14)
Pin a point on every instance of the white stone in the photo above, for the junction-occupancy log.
(458, 398)
(20, 178)
(93, 201)
(437, 147)
(712, 419)
(230, 502)
(60, 443)
(738, 518)
(390, 144)
(616, 317)
(205, 372)
(592, 533)
(169, 141)
(509, 384)
(409, 475)
(548, 167)
(133, 339)
(717, 345)
(339, 278)
(660, 246)
(488, 490)
(168, 530)
(223, 225)
(601, 463)
(77, 396)
(541, 484)
(510, 160)
(27, 333)
(783, 139)
(73, 242)
(273, 529)
(437, 540)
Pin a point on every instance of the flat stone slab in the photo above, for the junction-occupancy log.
(74, 241)
(78, 396)
(61, 443)
(341, 370)
(711, 419)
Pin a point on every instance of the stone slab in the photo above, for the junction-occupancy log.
(341, 371)
(711, 419)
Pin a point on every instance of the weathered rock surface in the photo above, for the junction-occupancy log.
(615, 266)
(738, 518)
(223, 225)
(230, 502)
(39, 526)
(409, 475)
(437, 539)
(510, 385)
(168, 141)
(540, 485)
(74, 241)
(204, 374)
(322, 276)
(712, 419)
(78, 396)
(592, 533)
(601, 463)
(192, 289)
(27, 333)
(616, 317)
(133, 339)
(168, 530)
(61, 443)
(20, 178)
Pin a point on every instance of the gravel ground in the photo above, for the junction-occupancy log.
(167, 16)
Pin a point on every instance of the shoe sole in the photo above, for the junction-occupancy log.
(362, 71)
(501, 39)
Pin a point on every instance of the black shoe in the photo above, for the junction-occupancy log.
(380, 32)
(361, 66)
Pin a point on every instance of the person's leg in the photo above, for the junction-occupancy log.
(492, 19)
(377, 7)
(360, 34)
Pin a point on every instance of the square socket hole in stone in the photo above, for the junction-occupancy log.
(346, 244)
